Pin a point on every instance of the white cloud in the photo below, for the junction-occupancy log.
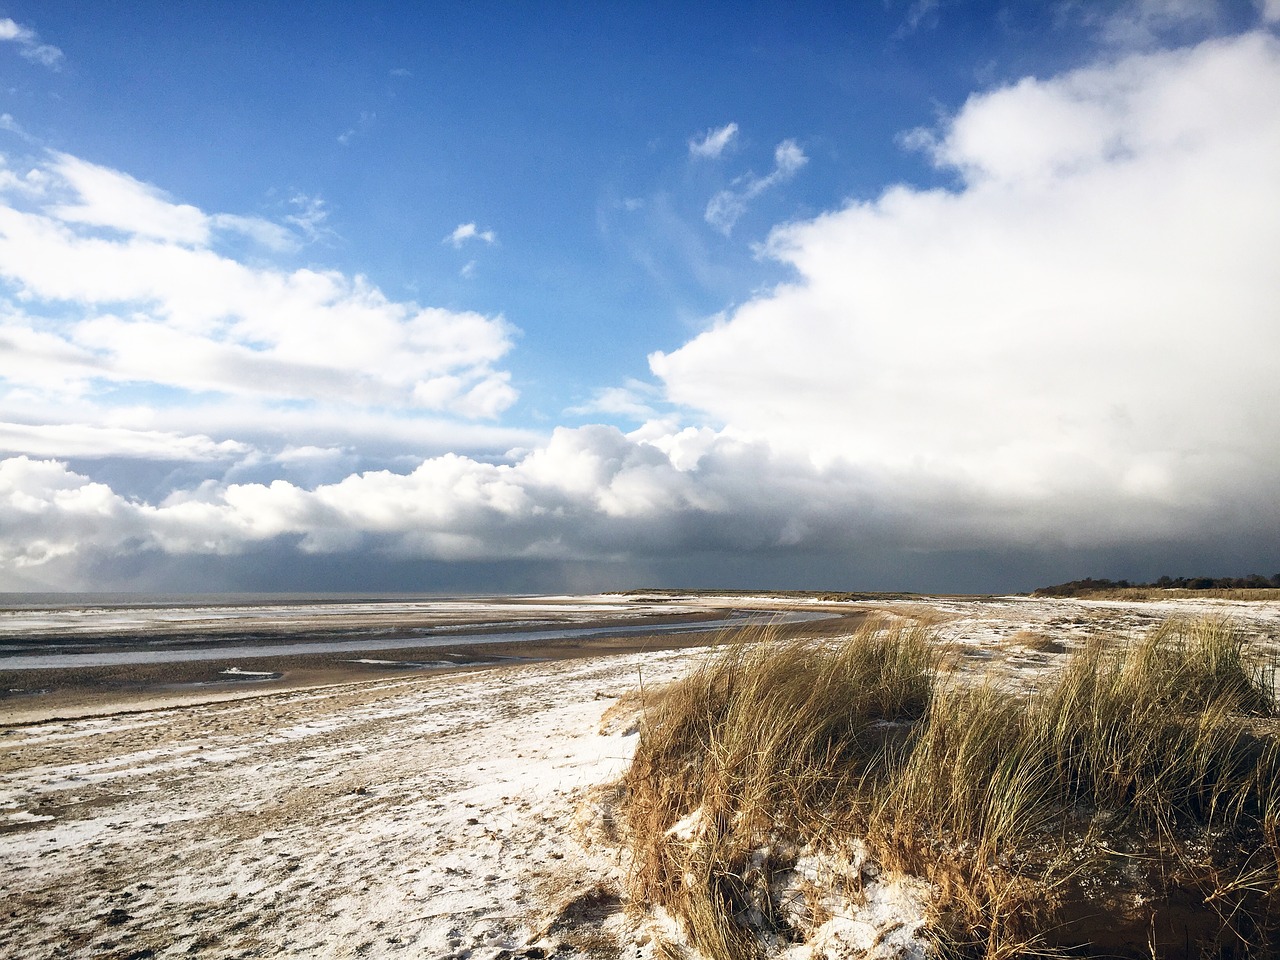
(468, 231)
(788, 158)
(487, 398)
(1139, 23)
(362, 126)
(46, 509)
(587, 494)
(8, 123)
(40, 361)
(29, 45)
(373, 435)
(265, 233)
(107, 198)
(713, 143)
(100, 197)
(634, 401)
(310, 217)
(1088, 319)
(921, 13)
(120, 301)
(199, 321)
(727, 207)
(81, 440)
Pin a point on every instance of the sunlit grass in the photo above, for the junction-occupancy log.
(1138, 786)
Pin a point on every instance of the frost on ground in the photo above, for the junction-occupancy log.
(467, 815)
(424, 816)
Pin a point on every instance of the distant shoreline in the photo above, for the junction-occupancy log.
(232, 665)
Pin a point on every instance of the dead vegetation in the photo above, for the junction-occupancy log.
(1036, 642)
(1129, 807)
(1159, 593)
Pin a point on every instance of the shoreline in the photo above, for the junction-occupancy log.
(41, 695)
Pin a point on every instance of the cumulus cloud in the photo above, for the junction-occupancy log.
(469, 231)
(1087, 319)
(121, 300)
(713, 143)
(590, 494)
(727, 207)
(29, 45)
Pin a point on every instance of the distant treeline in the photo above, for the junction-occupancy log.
(1076, 588)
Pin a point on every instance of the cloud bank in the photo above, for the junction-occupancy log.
(691, 500)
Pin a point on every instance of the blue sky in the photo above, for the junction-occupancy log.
(505, 296)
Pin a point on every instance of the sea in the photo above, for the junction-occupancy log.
(89, 630)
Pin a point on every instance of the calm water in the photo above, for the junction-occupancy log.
(68, 631)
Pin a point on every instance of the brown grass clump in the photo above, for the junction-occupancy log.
(764, 739)
(1036, 642)
(1129, 808)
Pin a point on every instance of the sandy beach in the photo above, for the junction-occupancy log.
(460, 814)
(75, 659)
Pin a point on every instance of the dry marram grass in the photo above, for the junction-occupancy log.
(1128, 808)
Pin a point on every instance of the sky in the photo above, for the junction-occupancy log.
(494, 297)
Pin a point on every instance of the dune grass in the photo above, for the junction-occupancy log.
(1175, 593)
(1129, 807)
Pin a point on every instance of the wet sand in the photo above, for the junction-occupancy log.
(32, 695)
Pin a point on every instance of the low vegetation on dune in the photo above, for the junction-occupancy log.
(1128, 807)
(1253, 587)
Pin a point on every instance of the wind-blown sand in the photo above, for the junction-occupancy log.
(416, 815)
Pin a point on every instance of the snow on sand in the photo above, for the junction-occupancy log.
(424, 815)
(419, 816)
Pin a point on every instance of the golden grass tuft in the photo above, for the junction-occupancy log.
(1139, 786)
(1036, 642)
(763, 739)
